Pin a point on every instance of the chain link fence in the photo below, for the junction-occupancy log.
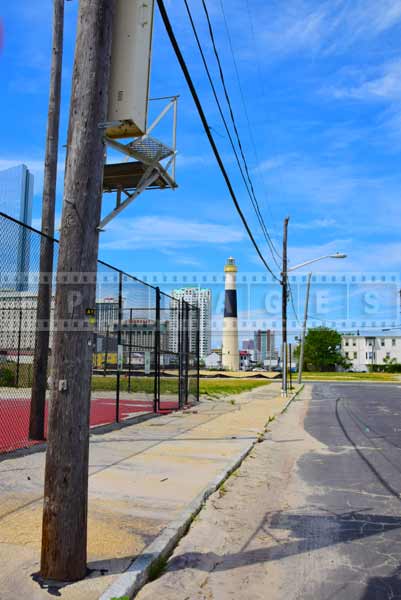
(145, 348)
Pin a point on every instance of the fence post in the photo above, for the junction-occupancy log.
(186, 349)
(180, 353)
(18, 348)
(106, 351)
(198, 354)
(120, 311)
(156, 400)
(129, 350)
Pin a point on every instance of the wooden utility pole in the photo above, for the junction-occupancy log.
(284, 284)
(64, 534)
(40, 361)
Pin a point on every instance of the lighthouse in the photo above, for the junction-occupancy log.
(230, 353)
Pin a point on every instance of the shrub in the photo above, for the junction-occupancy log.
(7, 377)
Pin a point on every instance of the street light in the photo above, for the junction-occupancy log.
(308, 262)
(301, 356)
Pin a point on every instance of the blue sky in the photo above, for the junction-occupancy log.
(321, 83)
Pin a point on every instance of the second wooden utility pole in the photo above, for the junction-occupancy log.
(64, 533)
(284, 284)
(40, 361)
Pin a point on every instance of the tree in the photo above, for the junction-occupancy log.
(322, 350)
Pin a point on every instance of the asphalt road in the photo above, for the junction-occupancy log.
(313, 514)
(359, 485)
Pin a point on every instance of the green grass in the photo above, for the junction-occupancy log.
(352, 376)
(25, 374)
(215, 387)
(207, 387)
(138, 384)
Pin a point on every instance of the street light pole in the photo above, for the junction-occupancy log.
(284, 309)
(308, 262)
(301, 355)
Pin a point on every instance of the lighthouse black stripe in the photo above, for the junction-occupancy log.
(230, 304)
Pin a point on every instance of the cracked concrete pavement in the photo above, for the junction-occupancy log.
(142, 478)
(313, 512)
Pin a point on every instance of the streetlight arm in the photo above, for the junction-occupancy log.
(308, 262)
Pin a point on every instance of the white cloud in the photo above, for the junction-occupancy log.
(384, 86)
(316, 224)
(271, 164)
(297, 27)
(186, 160)
(191, 262)
(166, 232)
(327, 26)
(313, 183)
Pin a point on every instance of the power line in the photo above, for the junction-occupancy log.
(231, 112)
(260, 80)
(251, 196)
(293, 303)
(206, 128)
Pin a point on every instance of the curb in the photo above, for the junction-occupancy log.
(138, 574)
(130, 582)
(295, 394)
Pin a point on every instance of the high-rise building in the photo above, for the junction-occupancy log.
(16, 196)
(202, 299)
(263, 345)
(107, 310)
(248, 344)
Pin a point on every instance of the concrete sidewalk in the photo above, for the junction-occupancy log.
(143, 479)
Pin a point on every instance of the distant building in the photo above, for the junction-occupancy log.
(248, 344)
(244, 360)
(106, 313)
(363, 351)
(213, 360)
(16, 197)
(137, 340)
(18, 323)
(263, 345)
(140, 333)
(202, 299)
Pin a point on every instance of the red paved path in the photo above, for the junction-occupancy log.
(14, 417)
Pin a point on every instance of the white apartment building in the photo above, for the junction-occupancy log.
(18, 322)
(107, 310)
(202, 299)
(365, 350)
